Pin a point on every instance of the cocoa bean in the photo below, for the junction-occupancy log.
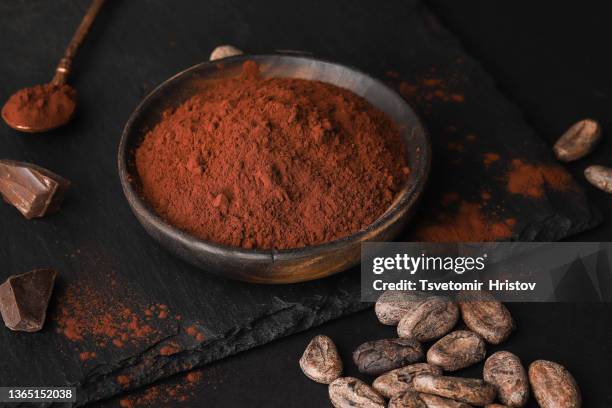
(224, 51)
(407, 400)
(399, 381)
(392, 305)
(456, 350)
(578, 141)
(350, 392)
(600, 177)
(505, 371)
(429, 320)
(434, 401)
(321, 361)
(484, 315)
(420, 400)
(379, 356)
(496, 406)
(468, 390)
(553, 386)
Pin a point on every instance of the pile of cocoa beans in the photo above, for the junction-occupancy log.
(408, 376)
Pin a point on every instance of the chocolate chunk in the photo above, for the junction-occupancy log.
(24, 299)
(33, 190)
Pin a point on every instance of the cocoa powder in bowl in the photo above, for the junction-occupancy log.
(271, 163)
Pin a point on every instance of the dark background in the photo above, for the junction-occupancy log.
(551, 59)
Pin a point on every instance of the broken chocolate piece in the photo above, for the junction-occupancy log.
(33, 190)
(24, 299)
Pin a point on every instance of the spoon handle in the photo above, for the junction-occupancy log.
(63, 68)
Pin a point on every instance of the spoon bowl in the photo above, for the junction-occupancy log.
(40, 108)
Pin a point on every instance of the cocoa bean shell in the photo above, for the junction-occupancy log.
(350, 392)
(600, 177)
(399, 381)
(321, 361)
(505, 371)
(487, 317)
(392, 305)
(457, 350)
(407, 400)
(553, 386)
(224, 51)
(467, 390)
(429, 320)
(379, 356)
(578, 141)
(434, 401)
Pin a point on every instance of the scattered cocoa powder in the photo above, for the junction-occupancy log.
(272, 163)
(41, 106)
(194, 376)
(183, 389)
(86, 313)
(428, 89)
(467, 224)
(195, 333)
(123, 380)
(531, 180)
(87, 355)
(169, 349)
(490, 158)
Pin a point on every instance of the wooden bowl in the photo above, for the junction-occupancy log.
(286, 265)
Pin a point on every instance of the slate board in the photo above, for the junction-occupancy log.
(95, 238)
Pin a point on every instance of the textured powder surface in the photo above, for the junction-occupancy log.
(272, 163)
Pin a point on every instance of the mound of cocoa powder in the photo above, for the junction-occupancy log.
(41, 106)
(272, 163)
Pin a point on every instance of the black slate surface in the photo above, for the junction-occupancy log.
(532, 68)
(95, 239)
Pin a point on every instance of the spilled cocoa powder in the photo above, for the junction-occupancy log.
(123, 380)
(170, 349)
(87, 355)
(532, 180)
(195, 333)
(272, 163)
(490, 158)
(88, 315)
(466, 222)
(428, 89)
(181, 390)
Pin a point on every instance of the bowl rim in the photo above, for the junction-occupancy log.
(408, 196)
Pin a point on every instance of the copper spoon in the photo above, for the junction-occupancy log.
(35, 99)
